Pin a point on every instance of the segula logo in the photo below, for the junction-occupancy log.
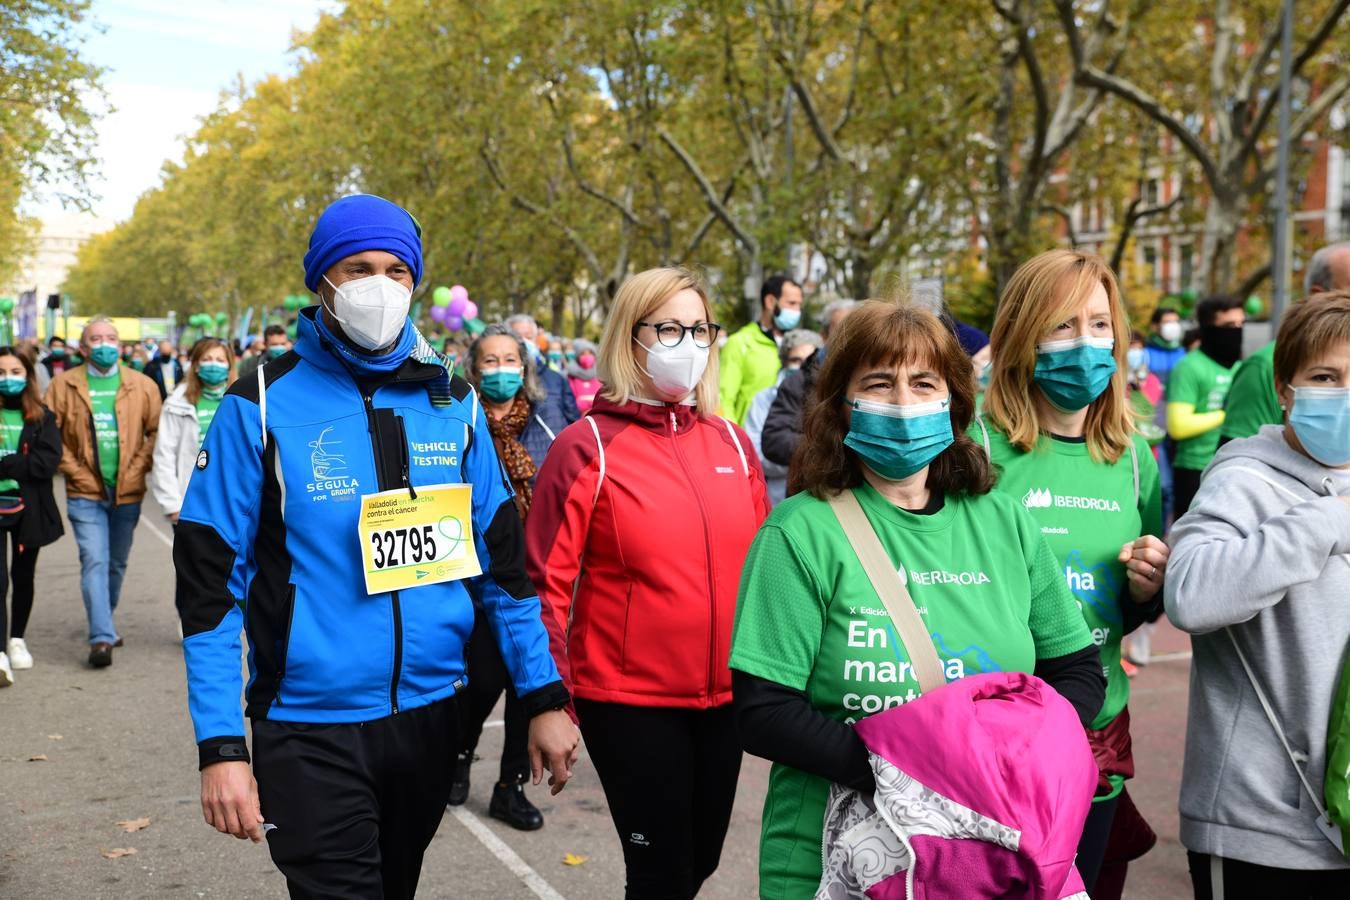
(330, 470)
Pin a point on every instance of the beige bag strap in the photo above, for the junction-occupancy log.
(886, 581)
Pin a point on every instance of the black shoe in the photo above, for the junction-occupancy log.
(100, 655)
(510, 805)
(459, 784)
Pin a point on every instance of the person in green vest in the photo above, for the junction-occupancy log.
(1252, 401)
(1059, 426)
(749, 361)
(1197, 391)
(108, 415)
(30, 452)
(813, 649)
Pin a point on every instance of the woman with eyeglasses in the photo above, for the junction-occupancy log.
(643, 513)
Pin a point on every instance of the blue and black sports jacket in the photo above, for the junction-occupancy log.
(267, 541)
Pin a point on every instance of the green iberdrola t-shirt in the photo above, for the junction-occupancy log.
(1252, 401)
(1200, 381)
(986, 585)
(206, 411)
(11, 428)
(103, 397)
(1086, 510)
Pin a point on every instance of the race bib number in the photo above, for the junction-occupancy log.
(407, 543)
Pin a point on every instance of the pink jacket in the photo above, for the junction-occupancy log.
(982, 789)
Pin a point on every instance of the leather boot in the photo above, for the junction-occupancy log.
(510, 805)
(459, 784)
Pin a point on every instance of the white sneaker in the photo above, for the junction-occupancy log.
(6, 673)
(19, 657)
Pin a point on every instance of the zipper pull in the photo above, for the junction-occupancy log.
(673, 427)
(406, 480)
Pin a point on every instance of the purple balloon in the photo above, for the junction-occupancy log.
(470, 309)
(458, 292)
(456, 307)
(454, 323)
(438, 313)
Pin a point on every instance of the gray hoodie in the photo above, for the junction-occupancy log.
(1263, 554)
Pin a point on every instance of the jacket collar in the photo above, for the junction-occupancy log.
(315, 348)
(652, 416)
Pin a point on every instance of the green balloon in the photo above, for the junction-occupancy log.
(222, 317)
(1253, 305)
(290, 331)
(6, 304)
(441, 296)
(1189, 295)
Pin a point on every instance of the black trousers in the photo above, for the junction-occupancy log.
(1248, 881)
(670, 779)
(355, 805)
(20, 575)
(487, 679)
(1092, 845)
(1185, 484)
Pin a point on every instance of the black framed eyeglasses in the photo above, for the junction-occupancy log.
(670, 333)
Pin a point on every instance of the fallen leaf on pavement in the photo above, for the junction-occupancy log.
(38, 757)
(118, 852)
(56, 737)
(131, 825)
(572, 859)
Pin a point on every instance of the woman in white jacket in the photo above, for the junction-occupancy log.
(183, 421)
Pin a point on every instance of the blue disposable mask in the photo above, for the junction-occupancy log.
(1072, 373)
(502, 383)
(787, 319)
(1321, 419)
(1135, 359)
(213, 373)
(12, 387)
(898, 440)
(986, 372)
(105, 356)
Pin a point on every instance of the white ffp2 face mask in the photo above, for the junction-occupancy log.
(371, 310)
(675, 371)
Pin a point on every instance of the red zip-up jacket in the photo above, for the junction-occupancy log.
(637, 566)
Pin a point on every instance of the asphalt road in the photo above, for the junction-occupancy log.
(81, 750)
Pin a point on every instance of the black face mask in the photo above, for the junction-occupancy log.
(1221, 344)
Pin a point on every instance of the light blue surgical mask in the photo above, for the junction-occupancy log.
(787, 319)
(898, 440)
(502, 383)
(1321, 419)
(1135, 358)
(213, 373)
(1072, 373)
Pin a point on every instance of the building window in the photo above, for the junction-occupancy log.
(1151, 266)
(1186, 267)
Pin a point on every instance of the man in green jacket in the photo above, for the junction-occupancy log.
(749, 361)
(1252, 401)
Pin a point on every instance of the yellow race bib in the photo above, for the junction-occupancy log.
(407, 543)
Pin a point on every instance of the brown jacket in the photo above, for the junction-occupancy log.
(137, 407)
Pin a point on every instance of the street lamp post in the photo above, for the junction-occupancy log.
(1281, 246)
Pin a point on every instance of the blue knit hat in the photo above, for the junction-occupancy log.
(358, 223)
(972, 339)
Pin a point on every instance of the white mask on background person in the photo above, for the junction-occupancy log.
(371, 310)
(675, 371)
(1170, 332)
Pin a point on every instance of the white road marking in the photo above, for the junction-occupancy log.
(1170, 657)
(168, 541)
(495, 723)
(505, 855)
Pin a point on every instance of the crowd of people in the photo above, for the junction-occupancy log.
(854, 520)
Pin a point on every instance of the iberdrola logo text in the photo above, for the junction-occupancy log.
(1042, 498)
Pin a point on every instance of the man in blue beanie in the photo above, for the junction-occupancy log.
(347, 508)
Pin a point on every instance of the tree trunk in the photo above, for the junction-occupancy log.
(1219, 247)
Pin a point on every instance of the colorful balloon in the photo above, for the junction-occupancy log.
(439, 314)
(456, 307)
(459, 292)
(442, 296)
(6, 304)
(454, 323)
(1253, 305)
(470, 309)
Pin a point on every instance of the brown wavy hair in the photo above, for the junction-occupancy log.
(199, 349)
(1045, 291)
(31, 400)
(882, 333)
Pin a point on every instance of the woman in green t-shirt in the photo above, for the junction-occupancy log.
(813, 649)
(1059, 425)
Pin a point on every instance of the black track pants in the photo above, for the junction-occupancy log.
(487, 679)
(20, 575)
(1248, 881)
(1185, 485)
(670, 779)
(355, 805)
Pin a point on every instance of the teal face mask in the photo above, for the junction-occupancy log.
(213, 373)
(787, 319)
(276, 350)
(1074, 372)
(898, 440)
(1321, 419)
(12, 387)
(105, 356)
(502, 383)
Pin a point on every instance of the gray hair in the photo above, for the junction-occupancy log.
(796, 338)
(533, 389)
(830, 309)
(527, 319)
(1319, 275)
(97, 320)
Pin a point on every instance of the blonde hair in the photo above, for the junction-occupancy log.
(1045, 291)
(638, 298)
